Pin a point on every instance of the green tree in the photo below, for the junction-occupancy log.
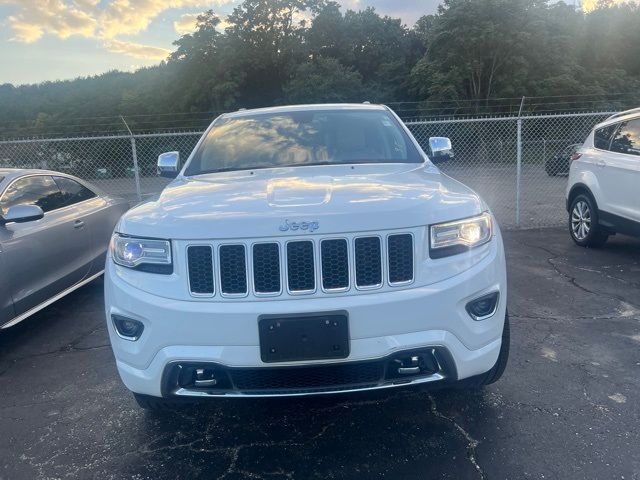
(325, 80)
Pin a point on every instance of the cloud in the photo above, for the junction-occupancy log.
(97, 19)
(186, 23)
(129, 17)
(223, 25)
(137, 50)
(588, 5)
(35, 18)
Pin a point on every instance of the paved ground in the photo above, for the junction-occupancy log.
(566, 408)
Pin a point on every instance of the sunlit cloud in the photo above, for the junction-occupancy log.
(105, 21)
(36, 18)
(136, 50)
(589, 5)
(186, 23)
(130, 17)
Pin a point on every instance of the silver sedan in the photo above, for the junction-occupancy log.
(54, 235)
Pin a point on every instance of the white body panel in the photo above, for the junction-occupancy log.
(342, 201)
(611, 177)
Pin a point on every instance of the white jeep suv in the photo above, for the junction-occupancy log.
(604, 177)
(306, 250)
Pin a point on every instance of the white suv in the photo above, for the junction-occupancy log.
(306, 250)
(604, 177)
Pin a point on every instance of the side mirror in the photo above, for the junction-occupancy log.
(22, 214)
(168, 164)
(440, 149)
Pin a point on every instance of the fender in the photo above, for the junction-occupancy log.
(584, 180)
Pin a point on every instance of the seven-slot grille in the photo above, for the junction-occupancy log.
(296, 266)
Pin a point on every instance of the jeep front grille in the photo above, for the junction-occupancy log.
(368, 262)
(400, 252)
(300, 266)
(301, 270)
(335, 264)
(233, 270)
(266, 268)
(200, 263)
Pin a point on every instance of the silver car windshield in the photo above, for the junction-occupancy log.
(302, 138)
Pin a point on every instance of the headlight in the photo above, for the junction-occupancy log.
(456, 237)
(144, 254)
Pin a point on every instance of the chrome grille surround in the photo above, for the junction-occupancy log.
(349, 262)
(226, 278)
(369, 262)
(282, 242)
(200, 266)
(290, 276)
(258, 269)
(396, 265)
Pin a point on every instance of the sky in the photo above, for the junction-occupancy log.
(44, 40)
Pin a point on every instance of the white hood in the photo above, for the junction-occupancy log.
(341, 198)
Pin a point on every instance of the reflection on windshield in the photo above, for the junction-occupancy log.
(303, 138)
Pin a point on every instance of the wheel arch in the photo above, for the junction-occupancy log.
(577, 189)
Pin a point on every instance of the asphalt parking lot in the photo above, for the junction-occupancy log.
(566, 408)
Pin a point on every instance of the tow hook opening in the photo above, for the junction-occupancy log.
(202, 377)
(408, 365)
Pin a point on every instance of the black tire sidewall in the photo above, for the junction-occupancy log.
(594, 231)
(550, 169)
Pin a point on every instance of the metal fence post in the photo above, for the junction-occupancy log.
(136, 171)
(519, 163)
(518, 171)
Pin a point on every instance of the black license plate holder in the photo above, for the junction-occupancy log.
(291, 338)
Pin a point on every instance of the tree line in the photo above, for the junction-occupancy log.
(472, 56)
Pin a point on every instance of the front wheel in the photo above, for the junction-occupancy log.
(583, 223)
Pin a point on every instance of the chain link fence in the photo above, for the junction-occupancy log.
(517, 164)
(503, 159)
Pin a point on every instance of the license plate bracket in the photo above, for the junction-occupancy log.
(290, 338)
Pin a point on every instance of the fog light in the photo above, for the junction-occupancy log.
(127, 328)
(483, 307)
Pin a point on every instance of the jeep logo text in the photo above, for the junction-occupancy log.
(293, 226)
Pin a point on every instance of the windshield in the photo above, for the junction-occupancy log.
(299, 138)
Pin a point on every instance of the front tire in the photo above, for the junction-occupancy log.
(583, 223)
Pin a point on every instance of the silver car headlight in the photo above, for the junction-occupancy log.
(456, 237)
(145, 254)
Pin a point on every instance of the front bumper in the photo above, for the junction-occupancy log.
(380, 325)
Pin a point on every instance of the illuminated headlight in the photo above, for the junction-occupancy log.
(456, 237)
(146, 254)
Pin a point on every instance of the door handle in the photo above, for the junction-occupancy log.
(78, 224)
(601, 163)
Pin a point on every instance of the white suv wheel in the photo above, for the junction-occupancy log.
(581, 220)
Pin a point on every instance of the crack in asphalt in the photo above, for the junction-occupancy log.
(564, 317)
(572, 280)
(472, 443)
(65, 349)
(612, 277)
(235, 454)
(68, 348)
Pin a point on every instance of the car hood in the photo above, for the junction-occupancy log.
(327, 199)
